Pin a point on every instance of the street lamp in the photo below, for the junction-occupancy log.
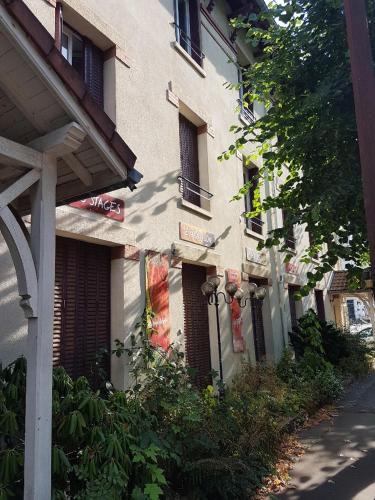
(210, 291)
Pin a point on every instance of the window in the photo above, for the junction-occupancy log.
(246, 106)
(189, 161)
(319, 301)
(290, 240)
(255, 224)
(86, 58)
(294, 314)
(187, 23)
(312, 243)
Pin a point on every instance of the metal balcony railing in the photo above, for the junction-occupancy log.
(246, 112)
(187, 44)
(255, 224)
(190, 186)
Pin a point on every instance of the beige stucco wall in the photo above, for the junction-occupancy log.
(142, 92)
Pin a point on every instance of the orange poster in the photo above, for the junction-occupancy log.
(237, 322)
(157, 298)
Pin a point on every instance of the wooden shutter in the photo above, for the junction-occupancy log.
(189, 159)
(258, 326)
(195, 30)
(82, 307)
(196, 325)
(93, 72)
(320, 305)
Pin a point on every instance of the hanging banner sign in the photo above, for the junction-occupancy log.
(255, 256)
(196, 235)
(237, 321)
(157, 298)
(104, 204)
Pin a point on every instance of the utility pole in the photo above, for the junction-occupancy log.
(363, 77)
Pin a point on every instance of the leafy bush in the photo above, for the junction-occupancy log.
(164, 437)
(324, 342)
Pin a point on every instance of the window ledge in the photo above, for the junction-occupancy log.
(190, 206)
(291, 250)
(189, 59)
(253, 234)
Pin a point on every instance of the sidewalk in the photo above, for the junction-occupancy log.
(339, 463)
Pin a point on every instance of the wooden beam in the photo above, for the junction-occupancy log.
(13, 153)
(60, 142)
(18, 187)
(38, 418)
(77, 167)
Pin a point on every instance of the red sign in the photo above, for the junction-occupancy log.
(291, 268)
(157, 293)
(104, 204)
(237, 322)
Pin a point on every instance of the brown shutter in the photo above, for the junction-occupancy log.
(195, 30)
(189, 159)
(82, 307)
(93, 69)
(320, 305)
(196, 326)
(258, 329)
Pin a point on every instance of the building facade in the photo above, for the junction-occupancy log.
(161, 79)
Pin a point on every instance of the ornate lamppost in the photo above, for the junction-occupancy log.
(210, 291)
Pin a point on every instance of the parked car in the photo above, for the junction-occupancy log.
(367, 334)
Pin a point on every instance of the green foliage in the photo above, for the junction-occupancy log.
(303, 78)
(164, 438)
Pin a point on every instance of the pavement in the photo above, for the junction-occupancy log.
(339, 463)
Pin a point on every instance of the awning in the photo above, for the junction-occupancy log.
(40, 92)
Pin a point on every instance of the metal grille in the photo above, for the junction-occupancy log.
(196, 325)
(82, 307)
(187, 25)
(189, 159)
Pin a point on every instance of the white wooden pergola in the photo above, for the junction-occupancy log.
(51, 151)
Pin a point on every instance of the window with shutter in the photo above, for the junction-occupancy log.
(196, 325)
(189, 161)
(187, 21)
(290, 240)
(246, 105)
(292, 305)
(87, 59)
(82, 308)
(319, 300)
(255, 224)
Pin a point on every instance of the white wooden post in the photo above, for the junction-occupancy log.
(38, 435)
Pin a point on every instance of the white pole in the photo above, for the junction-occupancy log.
(38, 435)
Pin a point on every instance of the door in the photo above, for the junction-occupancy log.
(82, 308)
(196, 325)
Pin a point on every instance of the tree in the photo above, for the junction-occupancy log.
(303, 77)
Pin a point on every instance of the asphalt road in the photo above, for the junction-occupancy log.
(339, 463)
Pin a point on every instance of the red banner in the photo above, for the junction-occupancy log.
(157, 297)
(237, 321)
(104, 204)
